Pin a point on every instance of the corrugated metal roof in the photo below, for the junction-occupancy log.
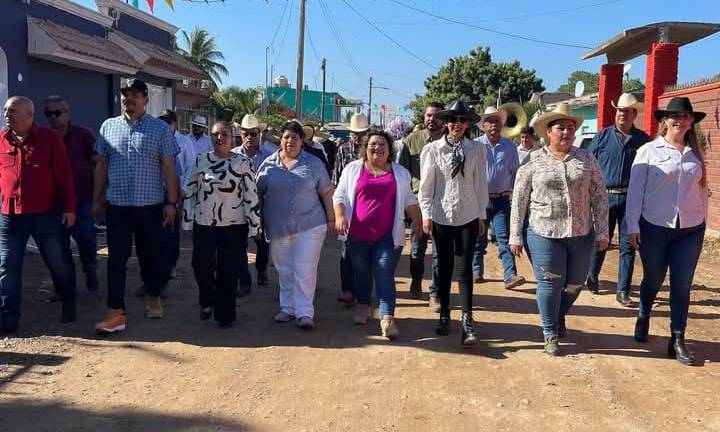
(164, 58)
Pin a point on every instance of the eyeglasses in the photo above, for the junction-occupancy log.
(252, 134)
(56, 113)
(457, 119)
(217, 135)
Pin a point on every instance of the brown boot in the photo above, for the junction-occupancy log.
(114, 322)
(153, 307)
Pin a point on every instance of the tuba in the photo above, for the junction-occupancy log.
(516, 120)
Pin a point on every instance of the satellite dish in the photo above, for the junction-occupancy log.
(579, 88)
(626, 68)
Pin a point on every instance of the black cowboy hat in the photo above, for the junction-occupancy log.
(458, 108)
(679, 105)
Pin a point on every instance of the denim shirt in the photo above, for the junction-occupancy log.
(502, 164)
(615, 153)
(255, 161)
(290, 198)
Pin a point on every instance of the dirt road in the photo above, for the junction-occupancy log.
(180, 374)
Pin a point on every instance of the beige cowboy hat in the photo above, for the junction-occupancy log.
(359, 123)
(199, 120)
(321, 135)
(235, 129)
(628, 100)
(491, 111)
(250, 121)
(561, 112)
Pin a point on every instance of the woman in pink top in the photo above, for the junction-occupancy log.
(370, 202)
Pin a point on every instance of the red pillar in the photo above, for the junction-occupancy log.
(662, 71)
(609, 89)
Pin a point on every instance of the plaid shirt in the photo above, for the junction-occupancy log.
(347, 152)
(134, 153)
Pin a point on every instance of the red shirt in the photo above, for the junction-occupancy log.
(36, 176)
(80, 147)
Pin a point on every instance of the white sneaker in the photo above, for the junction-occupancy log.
(305, 323)
(283, 317)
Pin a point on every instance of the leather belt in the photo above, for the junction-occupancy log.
(617, 190)
(500, 194)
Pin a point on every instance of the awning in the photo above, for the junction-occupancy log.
(51, 41)
(156, 60)
(636, 41)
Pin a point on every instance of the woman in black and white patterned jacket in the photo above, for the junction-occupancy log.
(222, 209)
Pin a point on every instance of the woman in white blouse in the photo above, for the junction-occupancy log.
(453, 196)
(666, 207)
(221, 207)
(561, 192)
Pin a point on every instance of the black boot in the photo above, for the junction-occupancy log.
(443, 326)
(642, 328)
(416, 288)
(417, 270)
(562, 328)
(467, 336)
(624, 299)
(69, 313)
(592, 285)
(262, 278)
(677, 349)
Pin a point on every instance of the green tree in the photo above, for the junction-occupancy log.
(592, 83)
(476, 79)
(201, 50)
(232, 103)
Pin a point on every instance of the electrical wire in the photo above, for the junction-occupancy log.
(388, 37)
(338, 37)
(282, 41)
(277, 29)
(466, 24)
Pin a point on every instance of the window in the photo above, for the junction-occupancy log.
(160, 98)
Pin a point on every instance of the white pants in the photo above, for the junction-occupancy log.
(296, 259)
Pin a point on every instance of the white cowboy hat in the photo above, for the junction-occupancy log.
(628, 100)
(359, 123)
(249, 121)
(491, 111)
(321, 135)
(561, 112)
(199, 121)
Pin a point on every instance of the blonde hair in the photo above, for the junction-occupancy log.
(697, 146)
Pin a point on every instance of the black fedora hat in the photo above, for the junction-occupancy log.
(679, 105)
(458, 108)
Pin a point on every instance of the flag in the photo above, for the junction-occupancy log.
(135, 4)
(170, 3)
(151, 5)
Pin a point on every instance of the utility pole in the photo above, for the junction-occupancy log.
(370, 102)
(300, 59)
(322, 103)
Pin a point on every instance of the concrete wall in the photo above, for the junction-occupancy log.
(706, 98)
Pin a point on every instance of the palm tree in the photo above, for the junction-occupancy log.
(236, 101)
(201, 50)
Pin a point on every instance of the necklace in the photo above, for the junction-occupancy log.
(376, 172)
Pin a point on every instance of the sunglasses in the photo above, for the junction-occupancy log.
(458, 119)
(250, 134)
(56, 113)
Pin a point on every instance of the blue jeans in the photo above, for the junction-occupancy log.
(559, 266)
(49, 235)
(375, 262)
(677, 249)
(498, 213)
(84, 234)
(616, 217)
(418, 247)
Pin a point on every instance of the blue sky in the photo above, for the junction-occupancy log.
(244, 28)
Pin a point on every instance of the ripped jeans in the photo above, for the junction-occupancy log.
(560, 267)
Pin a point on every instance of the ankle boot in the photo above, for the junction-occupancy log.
(416, 288)
(677, 349)
(467, 336)
(443, 326)
(642, 328)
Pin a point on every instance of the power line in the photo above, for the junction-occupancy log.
(312, 44)
(282, 41)
(277, 29)
(338, 38)
(549, 12)
(388, 37)
(466, 24)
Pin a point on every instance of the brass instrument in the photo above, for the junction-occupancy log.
(516, 120)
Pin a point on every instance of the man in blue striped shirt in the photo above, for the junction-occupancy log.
(136, 163)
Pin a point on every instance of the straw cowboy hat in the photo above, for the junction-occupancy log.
(457, 108)
(249, 121)
(679, 105)
(491, 111)
(321, 135)
(359, 123)
(561, 112)
(199, 120)
(627, 101)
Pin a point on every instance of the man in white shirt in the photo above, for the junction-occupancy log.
(198, 136)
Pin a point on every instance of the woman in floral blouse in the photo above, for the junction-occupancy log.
(561, 190)
(221, 207)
